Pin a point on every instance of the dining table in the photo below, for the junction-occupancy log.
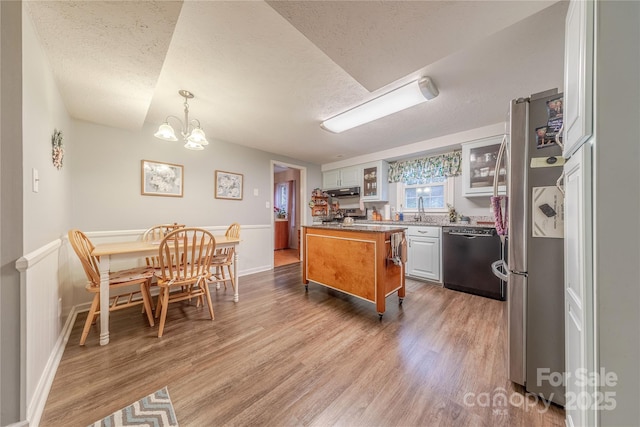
(138, 249)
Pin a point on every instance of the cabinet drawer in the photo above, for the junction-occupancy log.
(424, 231)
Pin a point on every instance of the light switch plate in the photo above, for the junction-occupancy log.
(267, 205)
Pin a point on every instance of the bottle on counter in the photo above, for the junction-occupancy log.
(400, 215)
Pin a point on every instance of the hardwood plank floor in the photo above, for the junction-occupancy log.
(282, 357)
(285, 256)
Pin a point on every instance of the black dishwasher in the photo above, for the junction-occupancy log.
(468, 253)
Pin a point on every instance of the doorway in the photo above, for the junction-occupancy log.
(288, 196)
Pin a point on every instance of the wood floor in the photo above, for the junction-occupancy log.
(285, 256)
(285, 357)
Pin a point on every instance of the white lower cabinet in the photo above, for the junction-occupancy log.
(424, 253)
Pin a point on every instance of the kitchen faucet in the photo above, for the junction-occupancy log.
(421, 215)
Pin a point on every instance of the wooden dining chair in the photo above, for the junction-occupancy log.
(224, 258)
(140, 276)
(185, 266)
(156, 234)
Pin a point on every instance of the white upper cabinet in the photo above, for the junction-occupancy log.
(351, 177)
(374, 183)
(578, 76)
(331, 179)
(479, 167)
(345, 177)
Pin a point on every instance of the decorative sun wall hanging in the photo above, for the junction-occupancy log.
(57, 151)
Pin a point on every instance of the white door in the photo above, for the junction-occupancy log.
(579, 296)
(424, 258)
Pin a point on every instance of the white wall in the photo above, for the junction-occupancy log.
(469, 206)
(106, 189)
(46, 213)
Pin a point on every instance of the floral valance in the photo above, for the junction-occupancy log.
(425, 169)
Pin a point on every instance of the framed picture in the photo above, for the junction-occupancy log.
(161, 179)
(228, 185)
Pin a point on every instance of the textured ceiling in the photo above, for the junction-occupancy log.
(106, 56)
(381, 42)
(266, 74)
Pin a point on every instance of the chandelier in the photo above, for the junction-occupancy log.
(190, 130)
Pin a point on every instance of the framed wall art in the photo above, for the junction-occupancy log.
(162, 179)
(228, 185)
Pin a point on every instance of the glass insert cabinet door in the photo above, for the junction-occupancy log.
(479, 167)
(374, 181)
(370, 182)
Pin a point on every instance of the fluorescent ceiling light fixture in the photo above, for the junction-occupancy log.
(406, 96)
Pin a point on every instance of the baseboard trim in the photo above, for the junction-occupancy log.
(255, 270)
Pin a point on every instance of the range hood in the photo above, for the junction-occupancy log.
(344, 192)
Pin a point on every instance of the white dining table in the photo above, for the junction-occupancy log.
(138, 249)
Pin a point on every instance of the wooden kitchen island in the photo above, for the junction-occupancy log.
(356, 259)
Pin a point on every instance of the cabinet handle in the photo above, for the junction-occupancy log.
(559, 183)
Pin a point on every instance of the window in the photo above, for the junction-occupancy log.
(281, 196)
(435, 196)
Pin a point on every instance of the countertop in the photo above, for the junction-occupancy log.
(369, 227)
(426, 223)
(433, 221)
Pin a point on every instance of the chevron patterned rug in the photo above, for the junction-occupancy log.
(154, 410)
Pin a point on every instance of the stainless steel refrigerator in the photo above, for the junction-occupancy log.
(533, 261)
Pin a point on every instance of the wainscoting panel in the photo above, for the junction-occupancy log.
(40, 323)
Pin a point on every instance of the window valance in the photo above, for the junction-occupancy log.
(426, 169)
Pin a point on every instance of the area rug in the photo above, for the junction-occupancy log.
(154, 410)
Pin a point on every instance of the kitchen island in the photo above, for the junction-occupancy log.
(366, 261)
